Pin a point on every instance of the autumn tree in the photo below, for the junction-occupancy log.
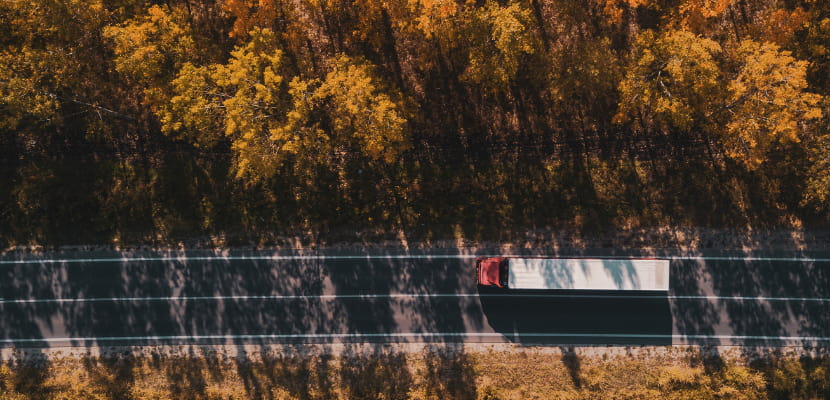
(735, 20)
(242, 100)
(678, 82)
(614, 9)
(150, 49)
(51, 64)
(671, 81)
(817, 193)
(814, 46)
(768, 102)
(707, 17)
(25, 92)
(501, 39)
(433, 18)
(311, 31)
(272, 116)
(194, 109)
(780, 25)
(249, 14)
(363, 116)
(291, 21)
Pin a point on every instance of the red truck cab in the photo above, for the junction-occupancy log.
(491, 271)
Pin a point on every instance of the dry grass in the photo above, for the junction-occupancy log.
(433, 374)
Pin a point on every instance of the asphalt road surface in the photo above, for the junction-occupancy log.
(255, 298)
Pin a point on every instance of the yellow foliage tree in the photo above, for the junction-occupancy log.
(270, 119)
(25, 91)
(614, 9)
(258, 109)
(501, 37)
(362, 115)
(194, 109)
(7, 385)
(817, 193)
(242, 100)
(768, 102)
(432, 17)
(677, 82)
(48, 60)
(151, 48)
(672, 80)
(250, 14)
(696, 15)
(780, 25)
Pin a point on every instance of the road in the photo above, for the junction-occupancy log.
(255, 298)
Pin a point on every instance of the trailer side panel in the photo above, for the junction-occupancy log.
(588, 274)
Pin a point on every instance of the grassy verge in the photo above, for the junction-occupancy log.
(384, 373)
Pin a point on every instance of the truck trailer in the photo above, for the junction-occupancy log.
(542, 273)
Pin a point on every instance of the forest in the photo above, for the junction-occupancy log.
(141, 121)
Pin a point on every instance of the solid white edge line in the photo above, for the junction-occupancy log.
(402, 296)
(413, 335)
(238, 258)
(393, 256)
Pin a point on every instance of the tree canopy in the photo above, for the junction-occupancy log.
(284, 86)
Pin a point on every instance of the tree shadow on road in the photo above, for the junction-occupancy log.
(753, 301)
(253, 301)
(229, 300)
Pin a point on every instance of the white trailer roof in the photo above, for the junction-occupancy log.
(588, 274)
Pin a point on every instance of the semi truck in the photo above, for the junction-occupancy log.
(543, 273)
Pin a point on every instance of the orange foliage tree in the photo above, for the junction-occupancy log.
(768, 102)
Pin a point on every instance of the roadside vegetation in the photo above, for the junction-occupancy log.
(138, 121)
(432, 374)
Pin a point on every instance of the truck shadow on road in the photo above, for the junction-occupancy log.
(586, 318)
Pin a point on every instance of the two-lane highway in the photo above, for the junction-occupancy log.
(393, 297)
